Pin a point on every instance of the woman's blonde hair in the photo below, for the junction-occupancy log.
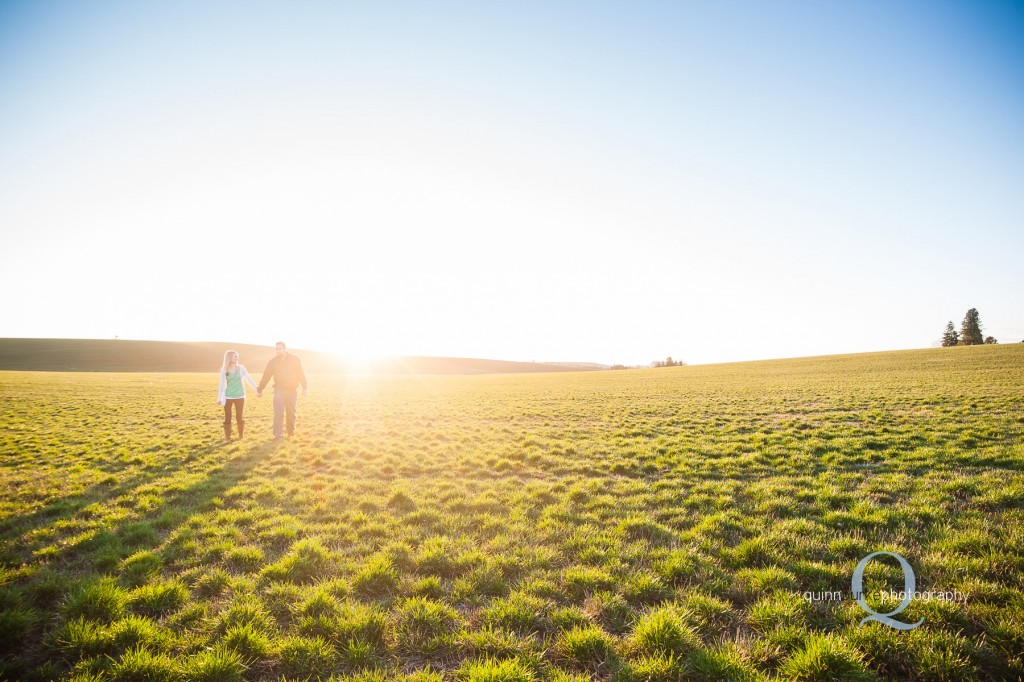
(227, 360)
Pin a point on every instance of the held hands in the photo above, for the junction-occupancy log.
(259, 394)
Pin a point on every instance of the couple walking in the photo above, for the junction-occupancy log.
(286, 371)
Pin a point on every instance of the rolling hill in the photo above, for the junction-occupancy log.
(115, 355)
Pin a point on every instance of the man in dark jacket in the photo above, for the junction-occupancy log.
(288, 375)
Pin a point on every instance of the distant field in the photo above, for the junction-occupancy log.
(109, 355)
(637, 525)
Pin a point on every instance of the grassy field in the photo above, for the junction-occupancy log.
(637, 525)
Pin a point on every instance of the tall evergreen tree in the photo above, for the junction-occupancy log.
(950, 337)
(970, 329)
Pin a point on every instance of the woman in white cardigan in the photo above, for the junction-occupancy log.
(232, 391)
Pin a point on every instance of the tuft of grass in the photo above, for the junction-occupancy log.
(429, 587)
(215, 665)
(212, 583)
(377, 578)
(16, 625)
(141, 665)
(249, 641)
(758, 581)
(711, 614)
(725, 662)
(519, 612)
(421, 625)
(102, 599)
(924, 654)
(776, 645)
(245, 559)
(401, 501)
(611, 611)
(779, 610)
(588, 648)
(644, 589)
(306, 657)
(81, 638)
(655, 668)
(495, 642)
(87, 676)
(357, 655)
(423, 675)
(753, 552)
(663, 632)
(581, 581)
(158, 598)
(568, 618)
(352, 622)
(678, 568)
(826, 657)
(359, 622)
(484, 580)
(307, 561)
(640, 528)
(246, 610)
(140, 567)
(46, 589)
(320, 603)
(437, 556)
(490, 670)
(280, 601)
(140, 631)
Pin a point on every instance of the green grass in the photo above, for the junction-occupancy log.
(636, 525)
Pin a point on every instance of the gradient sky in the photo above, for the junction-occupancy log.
(609, 182)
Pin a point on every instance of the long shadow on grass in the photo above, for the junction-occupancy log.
(106, 489)
(102, 552)
(184, 502)
(221, 477)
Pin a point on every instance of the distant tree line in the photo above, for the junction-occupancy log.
(969, 334)
(668, 362)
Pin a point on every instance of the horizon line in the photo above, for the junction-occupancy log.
(384, 357)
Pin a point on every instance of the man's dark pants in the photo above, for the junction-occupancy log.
(284, 405)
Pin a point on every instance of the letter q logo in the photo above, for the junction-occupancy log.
(909, 586)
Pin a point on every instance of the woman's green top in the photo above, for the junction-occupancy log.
(234, 388)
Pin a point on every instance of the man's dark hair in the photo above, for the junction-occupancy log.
(280, 343)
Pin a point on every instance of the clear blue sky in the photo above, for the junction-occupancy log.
(613, 182)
